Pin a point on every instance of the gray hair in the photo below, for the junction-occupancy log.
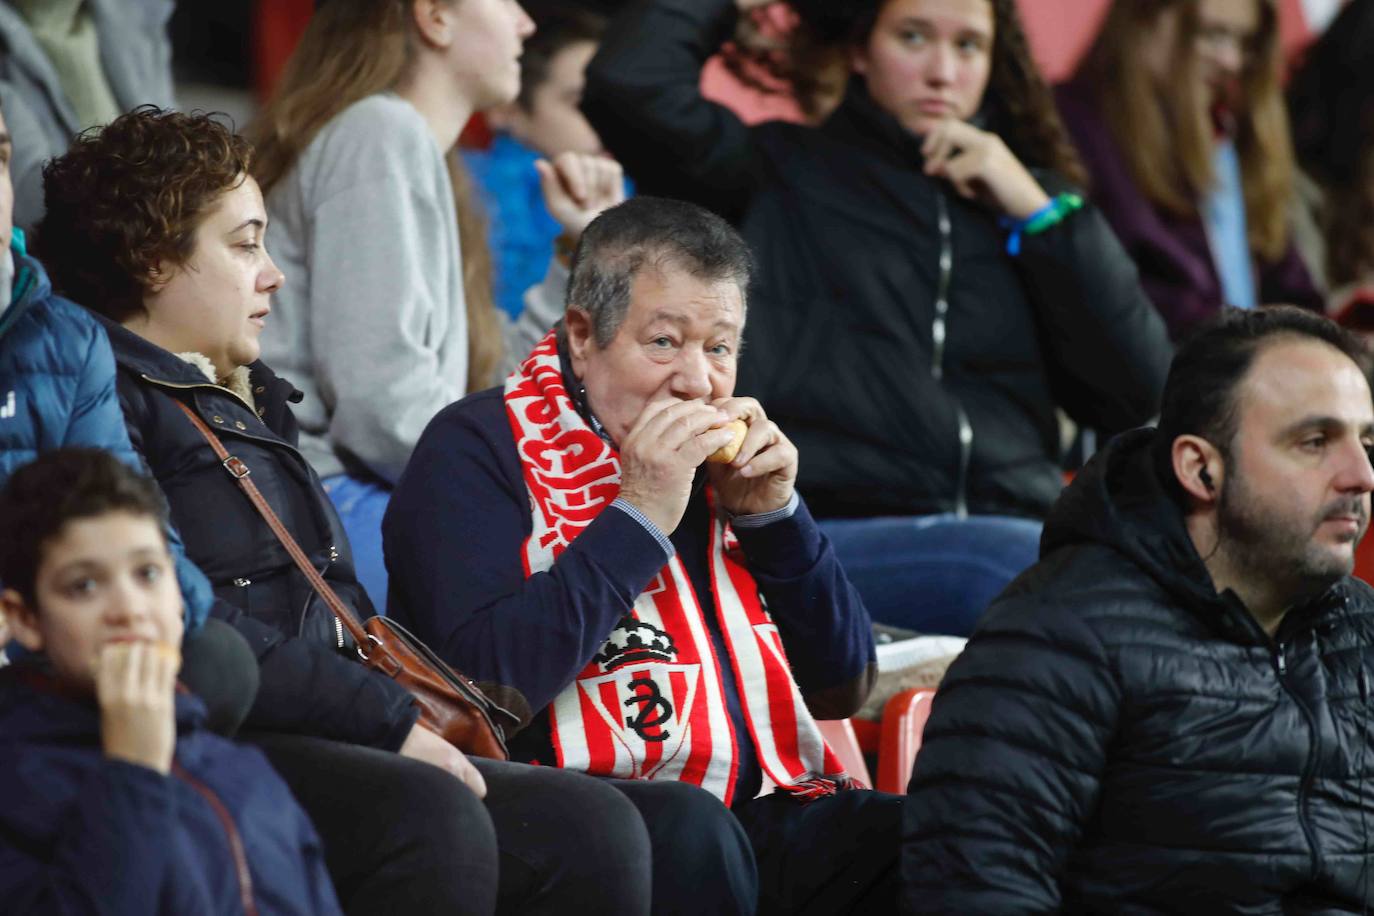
(659, 233)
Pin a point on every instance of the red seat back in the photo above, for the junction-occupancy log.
(904, 720)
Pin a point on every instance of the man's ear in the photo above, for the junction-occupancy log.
(1199, 468)
(577, 325)
(22, 620)
(434, 21)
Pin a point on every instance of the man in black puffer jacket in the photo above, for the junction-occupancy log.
(1171, 711)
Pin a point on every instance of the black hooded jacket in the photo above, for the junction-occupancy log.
(1120, 738)
(916, 365)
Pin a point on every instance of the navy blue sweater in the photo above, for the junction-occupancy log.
(453, 536)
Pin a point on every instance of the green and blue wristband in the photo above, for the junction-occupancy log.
(1052, 214)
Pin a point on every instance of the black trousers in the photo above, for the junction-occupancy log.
(771, 855)
(834, 855)
(702, 859)
(402, 836)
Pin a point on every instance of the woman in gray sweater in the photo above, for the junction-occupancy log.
(389, 314)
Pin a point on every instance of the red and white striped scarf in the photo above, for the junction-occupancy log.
(651, 704)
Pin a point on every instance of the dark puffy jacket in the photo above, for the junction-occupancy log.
(57, 389)
(916, 365)
(308, 683)
(80, 833)
(1172, 252)
(1120, 738)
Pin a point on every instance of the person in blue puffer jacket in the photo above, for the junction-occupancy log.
(114, 797)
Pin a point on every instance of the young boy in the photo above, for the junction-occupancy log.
(542, 123)
(113, 795)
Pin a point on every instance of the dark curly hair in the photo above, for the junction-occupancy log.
(42, 498)
(129, 196)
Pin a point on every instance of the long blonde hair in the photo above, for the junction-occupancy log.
(353, 49)
(1164, 129)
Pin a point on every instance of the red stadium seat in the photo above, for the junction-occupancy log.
(904, 719)
(1364, 559)
(277, 26)
(839, 734)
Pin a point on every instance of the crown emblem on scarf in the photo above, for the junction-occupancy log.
(634, 642)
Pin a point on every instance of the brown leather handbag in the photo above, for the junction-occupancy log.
(451, 705)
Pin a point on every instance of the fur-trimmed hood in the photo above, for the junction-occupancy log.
(256, 385)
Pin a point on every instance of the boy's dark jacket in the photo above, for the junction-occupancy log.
(1120, 738)
(307, 685)
(80, 833)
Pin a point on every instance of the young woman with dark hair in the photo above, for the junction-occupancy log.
(930, 290)
(1178, 114)
(156, 225)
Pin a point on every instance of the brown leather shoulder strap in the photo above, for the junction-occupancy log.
(240, 472)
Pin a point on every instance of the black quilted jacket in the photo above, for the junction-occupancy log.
(1119, 738)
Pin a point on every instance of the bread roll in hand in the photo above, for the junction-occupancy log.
(726, 453)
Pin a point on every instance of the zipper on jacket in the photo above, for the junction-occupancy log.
(939, 331)
(1310, 767)
(245, 877)
(965, 454)
(339, 643)
(338, 624)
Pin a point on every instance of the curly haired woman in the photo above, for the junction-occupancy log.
(929, 293)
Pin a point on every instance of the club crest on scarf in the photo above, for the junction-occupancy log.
(650, 704)
(644, 698)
